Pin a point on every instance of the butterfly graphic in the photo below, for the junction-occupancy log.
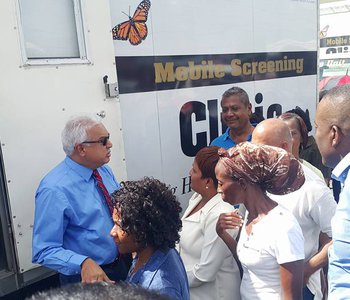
(135, 29)
(323, 32)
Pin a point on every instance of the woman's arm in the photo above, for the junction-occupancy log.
(319, 260)
(227, 221)
(292, 279)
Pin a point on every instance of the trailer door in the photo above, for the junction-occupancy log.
(7, 267)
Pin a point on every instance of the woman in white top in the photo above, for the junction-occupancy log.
(211, 269)
(271, 245)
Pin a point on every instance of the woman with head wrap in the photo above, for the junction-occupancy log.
(271, 245)
(211, 269)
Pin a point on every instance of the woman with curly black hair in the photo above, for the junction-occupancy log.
(147, 221)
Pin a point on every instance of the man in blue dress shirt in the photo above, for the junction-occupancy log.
(236, 113)
(72, 218)
(333, 140)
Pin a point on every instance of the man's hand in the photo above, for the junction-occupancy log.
(91, 272)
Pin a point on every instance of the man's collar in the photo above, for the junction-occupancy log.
(226, 135)
(340, 171)
(84, 172)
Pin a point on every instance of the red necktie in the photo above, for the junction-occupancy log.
(103, 189)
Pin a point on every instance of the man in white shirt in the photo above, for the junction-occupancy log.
(313, 206)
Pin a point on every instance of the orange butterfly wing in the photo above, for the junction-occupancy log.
(121, 31)
(141, 12)
(135, 36)
(135, 29)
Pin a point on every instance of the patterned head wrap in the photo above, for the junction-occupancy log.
(273, 169)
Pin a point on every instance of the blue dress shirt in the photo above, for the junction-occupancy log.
(225, 141)
(72, 220)
(339, 252)
(165, 273)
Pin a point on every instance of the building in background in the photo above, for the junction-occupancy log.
(334, 39)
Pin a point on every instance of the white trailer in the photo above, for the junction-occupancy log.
(160, 99)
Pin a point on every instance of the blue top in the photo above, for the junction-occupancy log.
(164, 273)
(339, 252)
(72, 220)
(225, 141)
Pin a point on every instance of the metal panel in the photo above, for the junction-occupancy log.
(36, 101)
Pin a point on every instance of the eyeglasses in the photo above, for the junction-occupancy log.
(103, 141)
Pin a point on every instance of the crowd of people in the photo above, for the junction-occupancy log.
(262, 222)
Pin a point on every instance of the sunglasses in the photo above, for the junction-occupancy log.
(103, 141)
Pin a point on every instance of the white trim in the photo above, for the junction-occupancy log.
(81, 35)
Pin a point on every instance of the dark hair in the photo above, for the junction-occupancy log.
(206, 159)
(301, 125)
(302, 114)
(149, 210)
(98, 291)
(256, 118)
(237, 91)
(340, 92)
(322, 94)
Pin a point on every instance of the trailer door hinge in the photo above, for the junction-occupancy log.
(111, 89)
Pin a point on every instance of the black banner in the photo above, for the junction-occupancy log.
(138, 74)
(334, 41)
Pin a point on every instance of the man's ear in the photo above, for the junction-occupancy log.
(285, 146)
(80, 149)
(250, 108)
(336, 136)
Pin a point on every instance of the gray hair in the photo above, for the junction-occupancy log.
(75, 131)
(237, 91)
